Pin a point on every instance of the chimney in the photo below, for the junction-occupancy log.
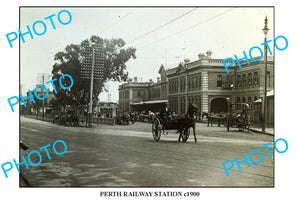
(187, 60)
(208, 53)
(135, 79)
(158, 80)
(201, 55)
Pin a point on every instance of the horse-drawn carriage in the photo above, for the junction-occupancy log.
(240, 120)
(123, 119)
(182, 124)
(219, 118)
(66, 119)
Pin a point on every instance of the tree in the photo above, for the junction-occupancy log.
(69, 62)
(36, 105)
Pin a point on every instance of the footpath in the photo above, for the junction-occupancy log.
(257, 129)
(269, 131)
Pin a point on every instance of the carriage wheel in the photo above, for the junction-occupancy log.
(185, 134)
(156, 130)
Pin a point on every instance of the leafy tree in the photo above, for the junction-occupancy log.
(36, 105)
(69, 62)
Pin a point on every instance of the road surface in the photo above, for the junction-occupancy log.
(118, 156)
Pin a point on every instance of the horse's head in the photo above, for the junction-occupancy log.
(204, 114)
(192, 109)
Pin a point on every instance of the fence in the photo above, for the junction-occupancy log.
(82, 119)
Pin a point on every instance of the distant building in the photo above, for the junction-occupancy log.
(37, 107)
(142, 96)
(106, 109)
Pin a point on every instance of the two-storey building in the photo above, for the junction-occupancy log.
(206, 83)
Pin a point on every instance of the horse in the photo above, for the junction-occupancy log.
(184, 123)
(56, 118)
(188, 121)
(66, 119)
(213, 118)
(75, 119)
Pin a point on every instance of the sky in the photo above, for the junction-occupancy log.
(161, 35)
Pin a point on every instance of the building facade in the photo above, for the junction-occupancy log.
(205, 83)
(106, 109)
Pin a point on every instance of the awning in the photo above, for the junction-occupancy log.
(150, 102)
(154, 106)
(258, 100)
(270, 93)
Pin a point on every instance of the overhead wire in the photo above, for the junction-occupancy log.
(188, 28)
(161, 26)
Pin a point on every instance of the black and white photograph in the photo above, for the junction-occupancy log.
(149, 106)
(146, 96)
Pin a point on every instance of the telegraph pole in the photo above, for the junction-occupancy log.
(265, 30)
(43, 107)
(92, 88)
(92, 68)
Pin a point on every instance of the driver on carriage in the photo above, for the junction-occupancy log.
(243, 115)
(165, 115)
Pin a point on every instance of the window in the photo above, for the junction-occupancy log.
(173, 86)
(173, 105)
(182, 105)
(250, 79)
(182, 84)
(238, 100)
(255, 79)
(244, 80)
(199, 79)
(239, 82)
(250, 102)
(227, 82)
(193, 83)
(219, 80)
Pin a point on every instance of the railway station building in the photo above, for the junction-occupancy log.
(206, 83)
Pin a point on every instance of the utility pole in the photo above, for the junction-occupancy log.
(43, 107)
(91, 88)
(265, 30)
(92, 68)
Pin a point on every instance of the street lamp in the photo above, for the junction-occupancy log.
(228, 104)
(265, 30)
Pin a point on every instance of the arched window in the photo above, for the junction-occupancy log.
(244, 80)
(239, 81)
(219, 80)
(193, 83)
(250, 79)
(250, 102)
(256, 79)
(244, 100)
(238, 101)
